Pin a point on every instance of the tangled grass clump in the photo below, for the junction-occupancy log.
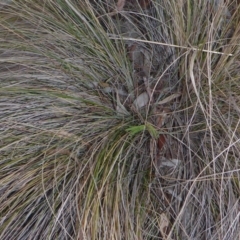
(119, 125)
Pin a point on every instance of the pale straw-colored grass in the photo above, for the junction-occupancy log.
(79, 158)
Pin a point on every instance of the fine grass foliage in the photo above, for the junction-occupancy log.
(119, 125)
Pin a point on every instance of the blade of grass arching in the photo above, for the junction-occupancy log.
(110, 173)
(92, 24)
(83, 30)
(54, 124)
(101, 174)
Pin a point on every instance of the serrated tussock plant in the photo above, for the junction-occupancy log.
(119, 119)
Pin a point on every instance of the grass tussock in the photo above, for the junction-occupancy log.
(119, 125)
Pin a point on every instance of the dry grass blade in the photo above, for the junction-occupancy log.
(119, 124)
